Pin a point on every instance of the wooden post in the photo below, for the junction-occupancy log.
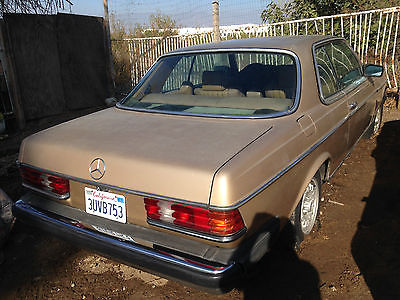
(215, 16)
(108, 43)
(10, 75)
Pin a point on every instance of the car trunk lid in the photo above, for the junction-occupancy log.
(155, 154)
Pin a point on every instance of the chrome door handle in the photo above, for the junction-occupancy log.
(353, 105)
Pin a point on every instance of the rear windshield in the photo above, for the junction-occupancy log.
(218, 84)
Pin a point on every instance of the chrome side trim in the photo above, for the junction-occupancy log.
(121, 244)
(44, 192)
(339, 165)
(291, 110)
(214, 238)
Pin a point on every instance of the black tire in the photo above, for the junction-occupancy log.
(6, 217)
(304, 223)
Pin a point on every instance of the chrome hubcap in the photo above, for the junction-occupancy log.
(309, 207)
(377, 120)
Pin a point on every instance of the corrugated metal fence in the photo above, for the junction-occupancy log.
(373, 35)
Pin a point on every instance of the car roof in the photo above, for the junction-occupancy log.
(297, 44)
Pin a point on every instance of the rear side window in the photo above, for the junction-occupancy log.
(327, 77)
(337, 68)
(344, 61)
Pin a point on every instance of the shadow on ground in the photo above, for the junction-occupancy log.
(281, 274)
(30, 256)
(376, 244)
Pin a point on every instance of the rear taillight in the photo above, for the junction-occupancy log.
(220, 223)
(45, 182)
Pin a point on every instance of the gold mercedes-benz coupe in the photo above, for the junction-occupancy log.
(193, 174)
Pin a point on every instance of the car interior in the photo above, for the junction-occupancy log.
(256, 89)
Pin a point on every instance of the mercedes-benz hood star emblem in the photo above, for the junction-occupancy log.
(97, 168)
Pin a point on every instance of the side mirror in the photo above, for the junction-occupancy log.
(373, 70)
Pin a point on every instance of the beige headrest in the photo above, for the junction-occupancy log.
(279, 94)
(253, 94)
(186, 89)
(211, 87)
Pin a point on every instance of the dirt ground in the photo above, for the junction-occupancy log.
(352, 255)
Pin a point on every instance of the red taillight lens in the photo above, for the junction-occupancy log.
(195, 218)
(191, 217)
(152, 208)
(45, 182)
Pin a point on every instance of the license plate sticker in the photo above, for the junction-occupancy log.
(104, 204)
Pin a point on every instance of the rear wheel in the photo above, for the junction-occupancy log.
(6, 218)
(377, 120)
(376, 123)
(306, 213)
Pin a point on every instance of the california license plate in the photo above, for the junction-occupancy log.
(104, 204)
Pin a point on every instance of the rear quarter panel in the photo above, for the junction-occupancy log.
(269, 176)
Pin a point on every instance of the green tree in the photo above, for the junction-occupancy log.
(120, 53)
(300, 9)
(274, 13)
(291, 10)
(118, 30)
(160, 25)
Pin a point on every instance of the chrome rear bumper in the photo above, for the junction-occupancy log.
(211, 279)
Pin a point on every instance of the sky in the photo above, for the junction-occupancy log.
(186, 13)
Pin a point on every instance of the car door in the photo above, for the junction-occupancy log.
(358, 91)
(332, 119)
